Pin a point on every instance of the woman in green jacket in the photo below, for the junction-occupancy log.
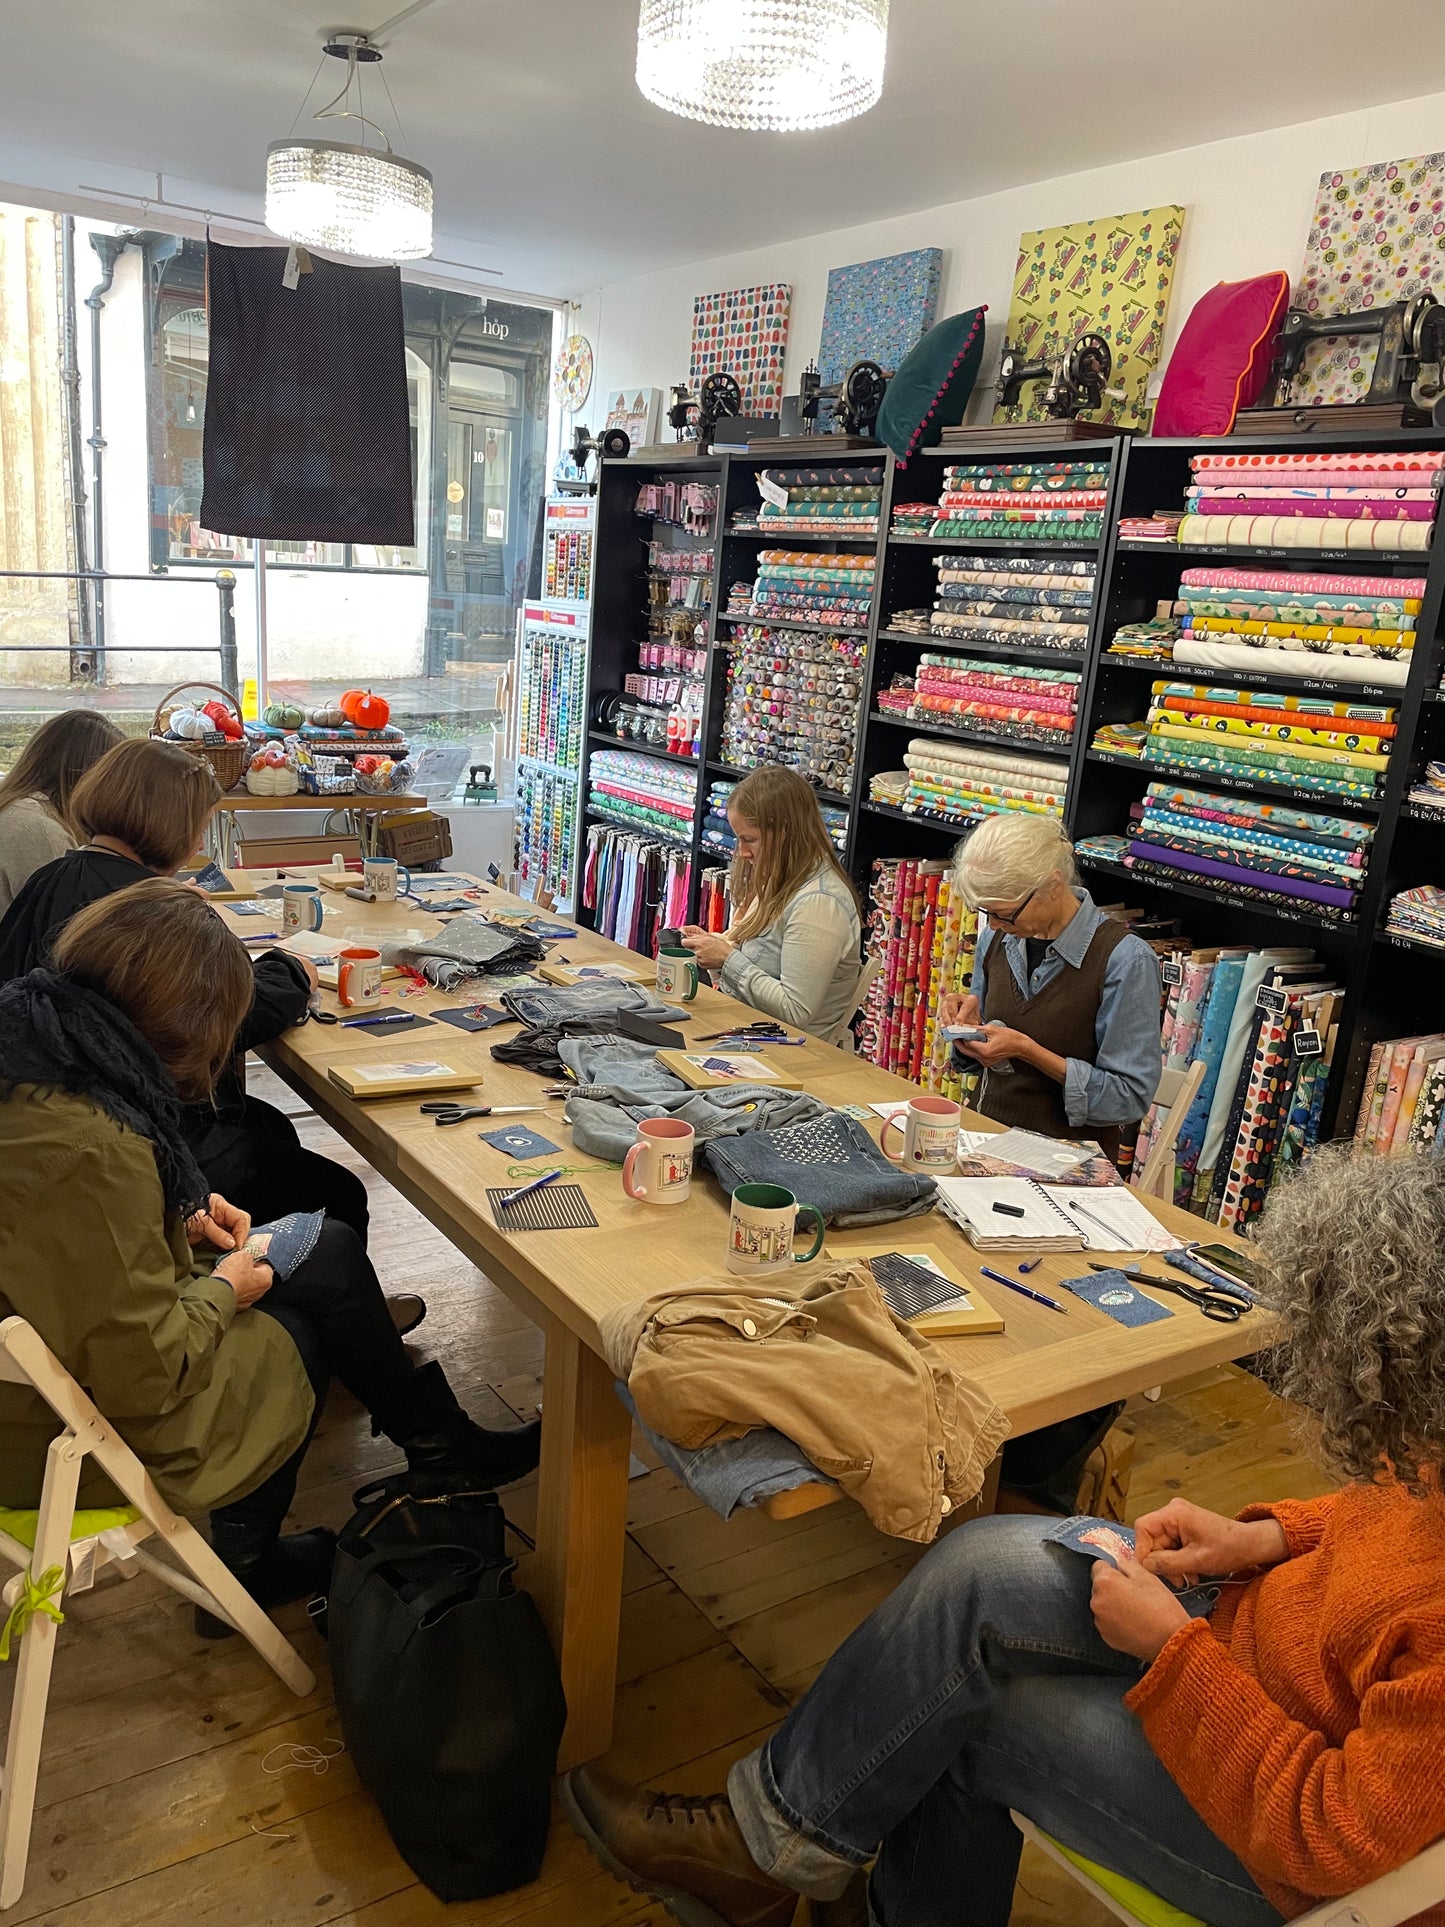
(149, 1287)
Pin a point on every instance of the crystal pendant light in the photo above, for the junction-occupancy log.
(763, 65)
(350, 199)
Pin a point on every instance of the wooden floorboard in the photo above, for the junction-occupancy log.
(156, 1805)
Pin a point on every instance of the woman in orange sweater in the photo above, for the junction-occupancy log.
(1244, 1747)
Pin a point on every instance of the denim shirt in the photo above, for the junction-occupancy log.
(1119, 1086)
(804, 967)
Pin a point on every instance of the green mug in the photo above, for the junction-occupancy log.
(761, 1229)
(674, 969)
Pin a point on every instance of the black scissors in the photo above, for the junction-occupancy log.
(1215, 1301)
(448, 1113)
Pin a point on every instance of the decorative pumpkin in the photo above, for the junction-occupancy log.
(284, 715)
(326, 716)
(223, 720)
(368, 765)
(271, 773)
(349, 701)
(190, 723)
(372, 712)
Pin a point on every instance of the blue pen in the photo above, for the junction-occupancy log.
(376, 1019)
(536, 1185)
(1023, 1291)
(1032, 1265)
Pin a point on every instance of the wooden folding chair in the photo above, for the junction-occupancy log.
(872, 966)
(32, 1596)
(1177, 1091)
(1386, 1902)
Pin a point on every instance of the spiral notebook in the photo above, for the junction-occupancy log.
(1054, 1218)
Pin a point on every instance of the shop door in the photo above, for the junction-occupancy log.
(480, 524)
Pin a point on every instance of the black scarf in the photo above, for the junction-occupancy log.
(56, 1034)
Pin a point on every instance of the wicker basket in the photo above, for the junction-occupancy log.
(227, 760)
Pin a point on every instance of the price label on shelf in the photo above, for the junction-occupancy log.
(1269, 998)
(1307, 1042)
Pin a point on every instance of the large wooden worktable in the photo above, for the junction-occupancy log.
(1043, 1367)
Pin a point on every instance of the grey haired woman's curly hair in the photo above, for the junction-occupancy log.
(1354, 1260)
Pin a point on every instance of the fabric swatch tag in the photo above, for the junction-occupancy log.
(482, 1019)
(292, 1240)
(518, 1142)
(1113, 1294)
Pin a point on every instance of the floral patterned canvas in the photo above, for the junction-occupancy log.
(1377, 236)
(744, 332)
(878, 310)
(1110, 277)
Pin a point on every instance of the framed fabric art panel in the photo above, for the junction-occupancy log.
(1377, 236)
(744, 333)
(1110, 277)
(878, 310)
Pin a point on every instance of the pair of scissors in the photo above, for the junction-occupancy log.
(1213, 1300)
(448, 1113)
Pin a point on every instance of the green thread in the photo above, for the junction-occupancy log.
(35, 1596)
(562, 1170)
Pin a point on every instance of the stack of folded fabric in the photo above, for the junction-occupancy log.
(959, 781)
(642, 791)
(717, 832)
(794, 699)
(1015, 702)
(1335, 628)
(811, 501)
(831, 588)
(1430, 790)
(1152, 641)
(914, 518)
(1419, 915)
(1161, 526)
(912, 622)
(1120, 739)
(1251, 848)
(1310, 500)
(1007, 600)
(1024, 501)
(1300, 742)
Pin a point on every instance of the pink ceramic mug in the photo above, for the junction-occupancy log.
(930, 1134)
(658, 1168)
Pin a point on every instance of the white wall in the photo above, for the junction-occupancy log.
(1248, 200)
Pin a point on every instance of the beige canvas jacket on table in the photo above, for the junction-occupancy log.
(823, 1360)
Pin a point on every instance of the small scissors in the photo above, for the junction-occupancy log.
(1213, 1300)
(448, 1113)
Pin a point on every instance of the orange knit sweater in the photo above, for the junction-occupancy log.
(1305, 1722)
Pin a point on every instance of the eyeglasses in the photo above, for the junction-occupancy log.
(1011, 917)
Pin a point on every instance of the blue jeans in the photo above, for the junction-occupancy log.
(981, 1684)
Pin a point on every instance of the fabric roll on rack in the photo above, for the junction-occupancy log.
(1310, 500)
(1015, 501)
(830, 588)
(642, 792)
(919, 929)
(964, 782)
(1013, 702)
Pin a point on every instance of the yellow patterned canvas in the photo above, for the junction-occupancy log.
(1111, 277)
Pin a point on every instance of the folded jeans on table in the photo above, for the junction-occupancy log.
(604, 1116)
(830, 1162)
(549, 1005)
(735, 1473)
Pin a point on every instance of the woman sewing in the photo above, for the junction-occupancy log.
(1069, 997)
(792, 948)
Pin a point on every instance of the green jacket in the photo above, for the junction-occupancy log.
(212, 1400)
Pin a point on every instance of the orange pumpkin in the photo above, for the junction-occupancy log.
(372, 712)
(348, 703)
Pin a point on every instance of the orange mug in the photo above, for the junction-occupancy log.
(358, 976)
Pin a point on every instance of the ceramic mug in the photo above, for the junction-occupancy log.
(301, 906)
(381, 878)
(930, 1134)
(658, 1168)
(762, 1227)
(358, 975)
(674, 969)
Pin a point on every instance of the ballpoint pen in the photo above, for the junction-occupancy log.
(375, 1019)
(526, 1190)
(1024, 1291)
(1108, 1230)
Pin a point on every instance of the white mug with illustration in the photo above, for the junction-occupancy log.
(384, 879)
(930, 1134)
(677, 974)
(300, 907)
(358, 975)
(658, 1168)
(762, 1230)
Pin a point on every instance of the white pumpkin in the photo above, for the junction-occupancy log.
(326, 716)
(267, 778)
(190, 723)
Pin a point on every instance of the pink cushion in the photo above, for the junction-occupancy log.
(1223, 358)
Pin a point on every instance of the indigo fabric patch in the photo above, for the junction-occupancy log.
(292, 1240)
(518, 1142)
(1118, 1297)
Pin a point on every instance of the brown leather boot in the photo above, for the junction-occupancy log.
(850, 1911)
(685, 1852)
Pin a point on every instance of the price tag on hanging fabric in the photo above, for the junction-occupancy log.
(1307, 1042)
(1171, 971)
(1270, 998)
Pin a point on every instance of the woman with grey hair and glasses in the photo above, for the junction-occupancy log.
(1070, 999)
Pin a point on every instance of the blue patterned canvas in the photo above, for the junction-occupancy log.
(878, 310)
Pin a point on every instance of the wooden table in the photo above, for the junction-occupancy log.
(1042, 1368)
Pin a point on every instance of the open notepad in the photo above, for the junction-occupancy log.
(1059, 1217)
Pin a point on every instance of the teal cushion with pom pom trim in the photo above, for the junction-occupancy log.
(931, 388)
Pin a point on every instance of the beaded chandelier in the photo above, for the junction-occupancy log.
(773, 66)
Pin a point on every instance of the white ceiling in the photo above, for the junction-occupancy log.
(552, 168)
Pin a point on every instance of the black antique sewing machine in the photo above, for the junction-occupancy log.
(697, 416)
(1077, 377)
(856, 399)
(1409, 360)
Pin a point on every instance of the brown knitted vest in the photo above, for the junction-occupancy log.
(1061, 1018)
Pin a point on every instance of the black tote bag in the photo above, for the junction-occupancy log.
(450, 1697)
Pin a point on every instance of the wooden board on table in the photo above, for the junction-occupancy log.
(955, 1322)
(740, 1068)
(576, 973)
(400, 1077)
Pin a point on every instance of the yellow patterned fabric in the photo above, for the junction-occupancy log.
(1354, 758)
(1291, 733)
(1306, 631)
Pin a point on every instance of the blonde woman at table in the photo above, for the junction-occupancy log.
(35, 825)
(792, 949)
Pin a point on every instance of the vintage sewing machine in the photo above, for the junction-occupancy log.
(1077, 377)
(697, 416)
(856, 399)
(1409, 360)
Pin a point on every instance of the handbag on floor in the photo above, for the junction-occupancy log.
(450, 1698)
